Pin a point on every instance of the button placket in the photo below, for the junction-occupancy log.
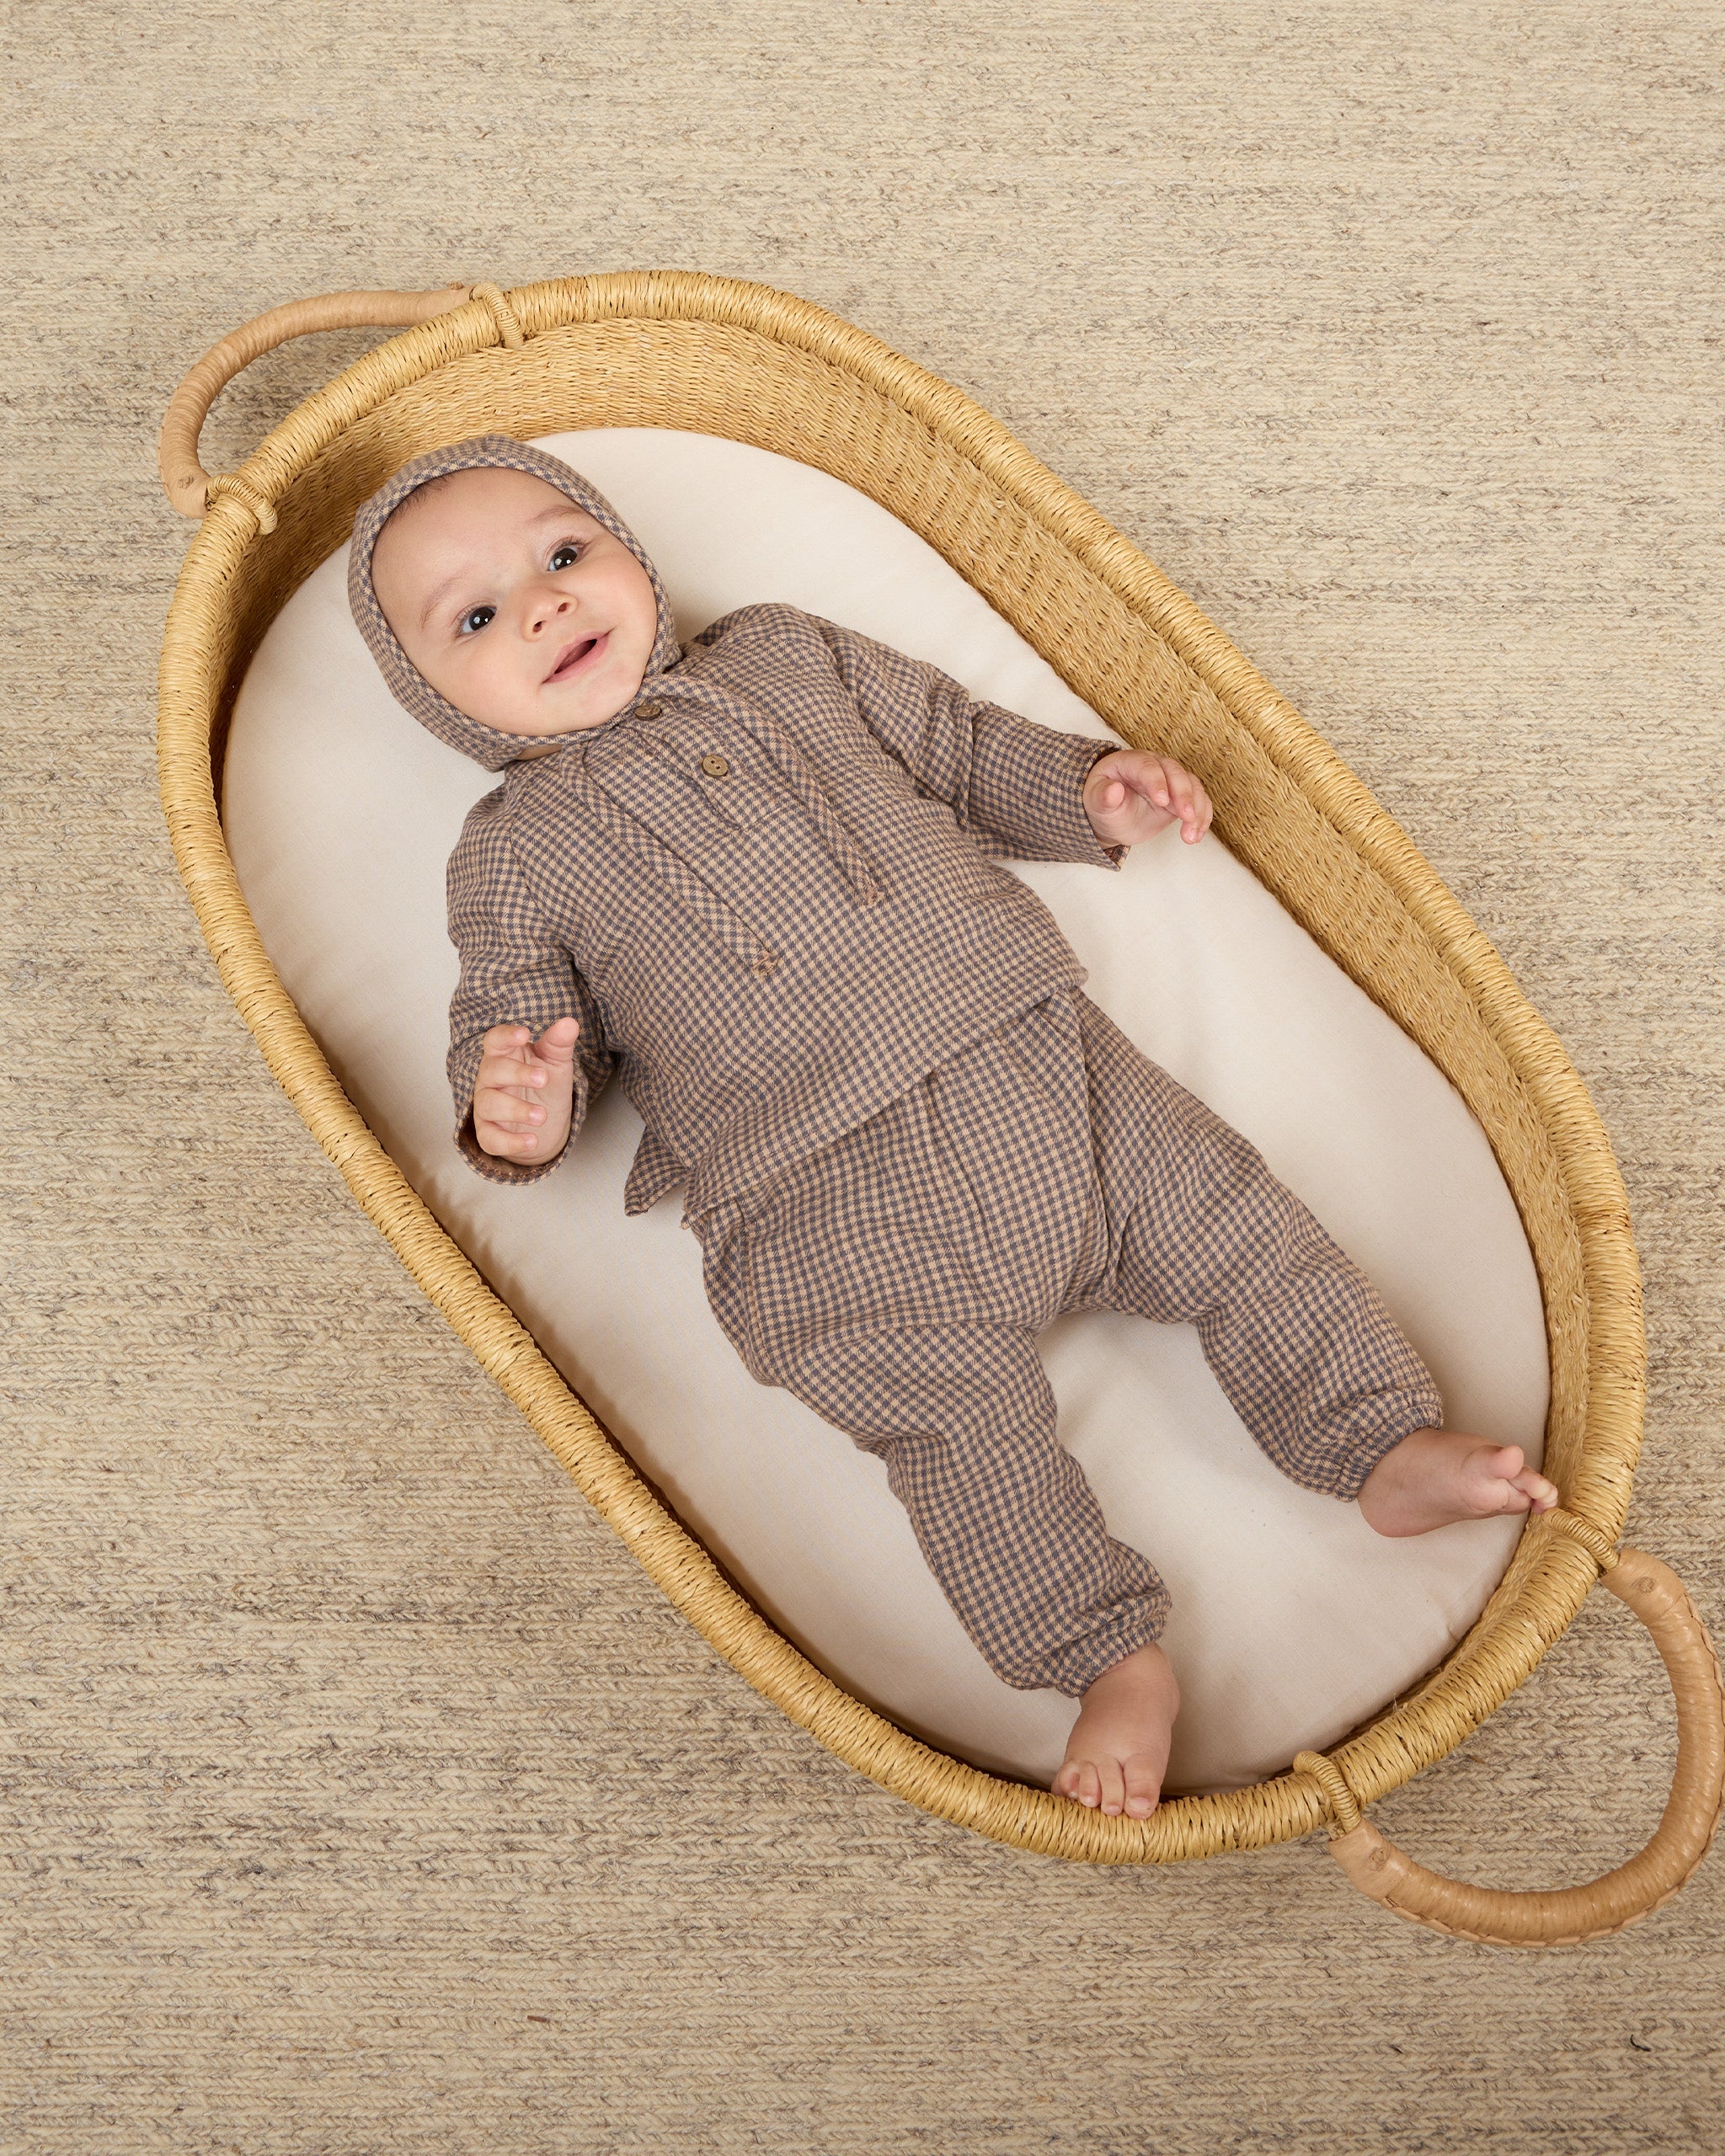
(739, 791)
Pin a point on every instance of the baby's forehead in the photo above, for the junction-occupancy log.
(482, 502)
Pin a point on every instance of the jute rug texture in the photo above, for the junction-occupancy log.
(362, 1795)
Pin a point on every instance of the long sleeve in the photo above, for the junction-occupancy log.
(514, 972)
(1015, 786)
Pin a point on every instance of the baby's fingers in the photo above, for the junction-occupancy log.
(505, 1040)
(1191, 805)
(1153, 783)
(502, 1109)
(507, 1144)
(510, 1072)
(1183, 798)
(556, 1043)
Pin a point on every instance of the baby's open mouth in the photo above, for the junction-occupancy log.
(577, 656)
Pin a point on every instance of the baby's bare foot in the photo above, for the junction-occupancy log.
(1118, 1749)
(1435, 1477)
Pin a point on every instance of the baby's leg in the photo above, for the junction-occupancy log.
(897, 1285)
(964, 1420)
(1200, 1232)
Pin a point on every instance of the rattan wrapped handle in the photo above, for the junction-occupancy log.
(188, 484)
(1566, 1916)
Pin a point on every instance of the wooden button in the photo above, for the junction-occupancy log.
(716, 766)
(649, 710)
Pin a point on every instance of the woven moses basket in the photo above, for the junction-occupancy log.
(691, 352)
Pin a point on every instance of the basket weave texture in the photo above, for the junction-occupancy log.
(683, 350)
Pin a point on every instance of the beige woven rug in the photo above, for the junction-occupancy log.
(364, 1796)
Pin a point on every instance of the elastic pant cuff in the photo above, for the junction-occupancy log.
(1400, 1418)
(1077, 1667)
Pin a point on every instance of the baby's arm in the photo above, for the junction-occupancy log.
(1021, 790)
(519, 1009)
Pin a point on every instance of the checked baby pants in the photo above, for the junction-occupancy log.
(896, 1282)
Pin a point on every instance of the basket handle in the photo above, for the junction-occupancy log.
(188, 484)
(1571, 1914)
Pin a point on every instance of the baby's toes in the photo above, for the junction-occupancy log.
(1143, 1788)
(1114, 1787)
(1086, 1783)
(1542, 1495)
(1490, 1484)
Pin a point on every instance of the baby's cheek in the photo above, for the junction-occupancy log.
(497, 693)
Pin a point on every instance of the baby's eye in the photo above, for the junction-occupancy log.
(475, 619)
(566, 555)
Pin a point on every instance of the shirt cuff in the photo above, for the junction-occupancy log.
(1108, 856)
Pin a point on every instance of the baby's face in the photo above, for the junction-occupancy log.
(513, 604)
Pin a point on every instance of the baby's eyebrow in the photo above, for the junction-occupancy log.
(438, 597)
(555, 514)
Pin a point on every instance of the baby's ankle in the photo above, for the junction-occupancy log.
(1144, 1669)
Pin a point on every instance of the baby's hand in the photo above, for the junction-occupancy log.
(524, 1091)
(1131, 795)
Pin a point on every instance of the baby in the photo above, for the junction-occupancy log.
(753, 878)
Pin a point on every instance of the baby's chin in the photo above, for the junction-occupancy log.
(553, 729)
(551, 718)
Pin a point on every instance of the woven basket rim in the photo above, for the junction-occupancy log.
(1549, 1577)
